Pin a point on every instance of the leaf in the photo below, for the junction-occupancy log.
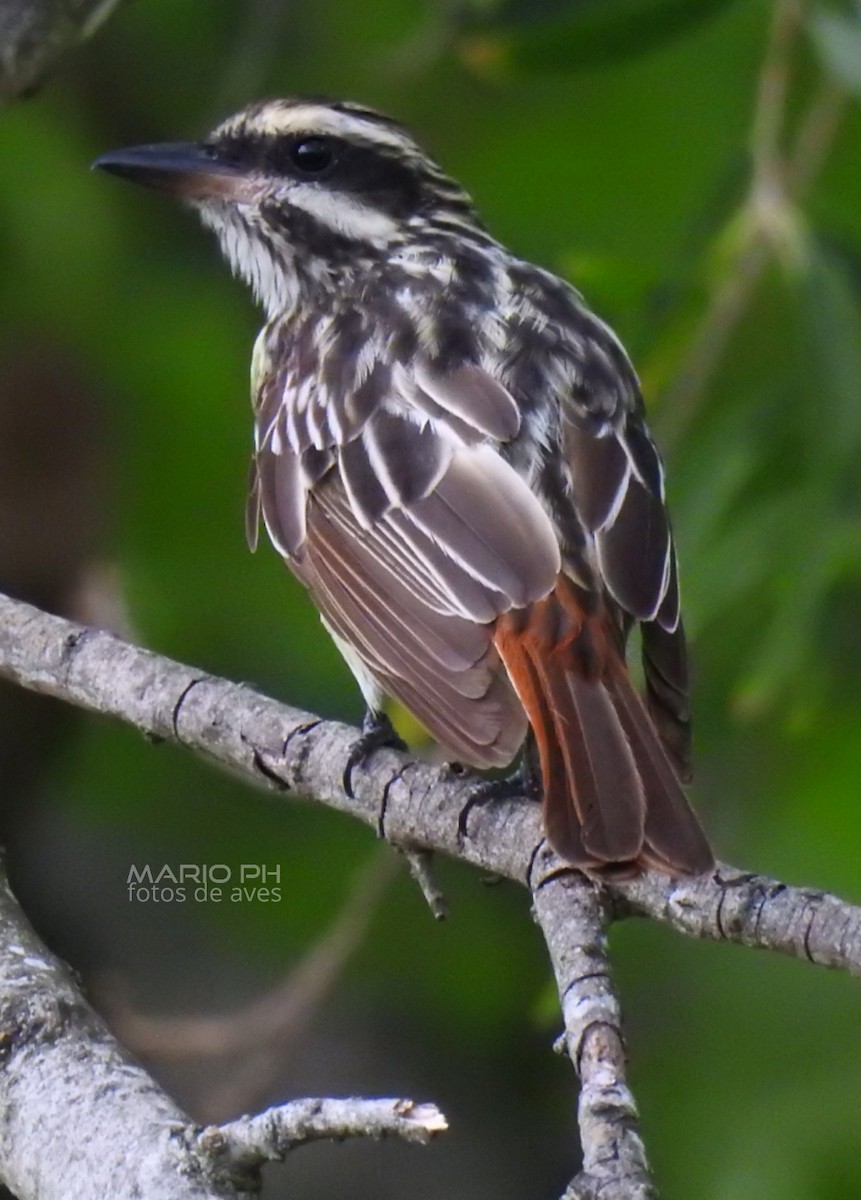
(831, 311)
(838, 39)
(568, 34)
(741, 563)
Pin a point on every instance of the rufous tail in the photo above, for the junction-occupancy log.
(612, 800)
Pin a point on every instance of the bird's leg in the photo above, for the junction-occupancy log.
(524, 780)
(378, 733)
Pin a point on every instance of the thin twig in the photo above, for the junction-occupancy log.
(271, 1135)
(814, 139)
(419, 863)
(766, 219)
(766, 129)
(727, 305)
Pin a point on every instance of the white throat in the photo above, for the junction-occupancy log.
(254, 256)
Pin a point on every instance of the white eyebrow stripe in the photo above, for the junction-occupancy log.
(278, 119)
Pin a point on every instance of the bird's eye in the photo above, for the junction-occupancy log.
(312, 155)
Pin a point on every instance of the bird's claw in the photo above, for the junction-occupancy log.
(378, 733)
(521, 782)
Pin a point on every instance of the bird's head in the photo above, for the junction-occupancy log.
(304, 192)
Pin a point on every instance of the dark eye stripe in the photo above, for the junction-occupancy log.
(385, 177)
(386, 180)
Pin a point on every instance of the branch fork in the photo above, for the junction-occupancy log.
(277, 747)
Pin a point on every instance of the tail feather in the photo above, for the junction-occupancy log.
(673, 838)
(602, 783)
(612, 799)
(665, 663)
(561, 822)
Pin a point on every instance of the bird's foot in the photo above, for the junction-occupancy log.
(523, 781)
(378, 733)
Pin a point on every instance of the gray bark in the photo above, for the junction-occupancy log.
(35, 34)
(78, 1119)
(418, 807)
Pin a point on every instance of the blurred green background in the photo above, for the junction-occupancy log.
(627, 144)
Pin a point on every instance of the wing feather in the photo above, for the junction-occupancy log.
(453, 642)
(252, 505)
(491, 523)
(413, 534)
(634, 552)
(283, 498)
(472, 396)
(387, 488)
(442, 666)
(600, 470)
(409, 459)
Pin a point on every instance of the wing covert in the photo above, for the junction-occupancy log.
(618, 491)
(413, 534)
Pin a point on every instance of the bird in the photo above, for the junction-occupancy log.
(451, 454)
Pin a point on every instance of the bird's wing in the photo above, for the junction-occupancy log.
(615, 480)
(617, 488)
(612, 797)
(413, 534)
(618, 491)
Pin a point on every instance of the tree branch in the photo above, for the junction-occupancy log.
(80, 1121)
(574, 915)
(270, 1135)
(417, 806)
(413, 804)
(35, 34)
(752, 910)
(74, 1109)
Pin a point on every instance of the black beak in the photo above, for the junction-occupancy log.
(184, 168)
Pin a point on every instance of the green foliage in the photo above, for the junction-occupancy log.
(632, 179)
(838, 39)
(560, 35)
